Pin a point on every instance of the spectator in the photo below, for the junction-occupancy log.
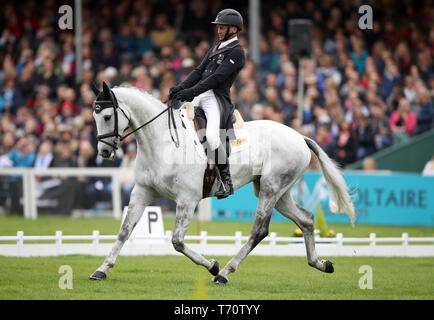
(403, 57)
(391, 77)
(162, 33)
(272, 113)
(288, 107)
(108, 57)
(86, 155)
(346, 144)
(66, 140)
(64, 157)
(5, 148)
(256, 113)
(402, 122)
(266, 56)
(85, 159)
(45, 156)
(328, 70)
(144, 42)
(126, 41)
(11, 97)
(66, 112)
(359, 55)
(248, 96)
(425, 65)
(381, 127)
(409, 89)
(369, 164)
(47, 79)
(68, 61)
(365, 138)
(428, 169)
(27, 84)
(23, 154)
(325, 140)
(424, 111)
(199, 26)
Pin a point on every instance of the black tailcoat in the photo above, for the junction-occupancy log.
(217, 71)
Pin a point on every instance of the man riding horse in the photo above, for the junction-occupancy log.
(208, 86)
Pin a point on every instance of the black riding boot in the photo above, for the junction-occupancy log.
(226, 188)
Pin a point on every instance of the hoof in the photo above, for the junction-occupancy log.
(98, 275)
(328, 266)
(215, 267)
(219, 279)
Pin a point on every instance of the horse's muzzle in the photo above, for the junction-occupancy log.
(107, 154)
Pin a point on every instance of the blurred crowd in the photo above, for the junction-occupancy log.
(364, 89)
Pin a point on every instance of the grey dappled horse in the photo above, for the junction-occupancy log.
(274, 160)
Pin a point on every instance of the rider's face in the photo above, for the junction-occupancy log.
(221, 31)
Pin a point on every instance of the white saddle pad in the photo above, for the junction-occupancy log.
(192, 133)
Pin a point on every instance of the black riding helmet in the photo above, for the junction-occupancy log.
(229, 17)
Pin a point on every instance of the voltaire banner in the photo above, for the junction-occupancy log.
(388, 199)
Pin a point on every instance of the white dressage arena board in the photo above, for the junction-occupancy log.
(150, 225)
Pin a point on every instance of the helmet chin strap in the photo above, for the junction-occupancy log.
(227, 35)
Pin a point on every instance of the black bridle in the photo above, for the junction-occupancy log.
(98, 106)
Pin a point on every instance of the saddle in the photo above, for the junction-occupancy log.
(198, 120)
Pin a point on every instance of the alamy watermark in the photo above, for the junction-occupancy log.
(65, 281)
(66, 20)
(366, 280)
(365, 21)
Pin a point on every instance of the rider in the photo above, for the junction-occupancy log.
(208, 86)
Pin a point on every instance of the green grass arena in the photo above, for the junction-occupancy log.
(176, 277)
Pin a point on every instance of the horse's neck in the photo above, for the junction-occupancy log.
(151, 139)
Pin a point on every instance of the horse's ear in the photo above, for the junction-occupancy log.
(94, 88)
(106, 90)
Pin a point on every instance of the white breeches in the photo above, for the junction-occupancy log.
(208, 102)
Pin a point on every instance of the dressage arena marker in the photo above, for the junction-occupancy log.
(150, 228)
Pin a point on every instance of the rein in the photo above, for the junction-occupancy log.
(169, 109)
(101, 105)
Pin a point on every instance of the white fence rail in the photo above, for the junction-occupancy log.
(272, 245)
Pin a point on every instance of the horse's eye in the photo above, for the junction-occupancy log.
(107, 118)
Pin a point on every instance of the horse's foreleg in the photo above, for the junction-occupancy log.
(305, 221)
(140, 198)
(184, 213)
(259, 231)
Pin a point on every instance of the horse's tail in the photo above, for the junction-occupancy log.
(340, 200)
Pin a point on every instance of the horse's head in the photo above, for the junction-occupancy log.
(110, 123)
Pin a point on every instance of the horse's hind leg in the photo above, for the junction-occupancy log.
(304, 220)
(140, 198)
(267, 200)
(184, 213)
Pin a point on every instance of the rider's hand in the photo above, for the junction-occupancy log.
(185, 95)
(173, 91)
